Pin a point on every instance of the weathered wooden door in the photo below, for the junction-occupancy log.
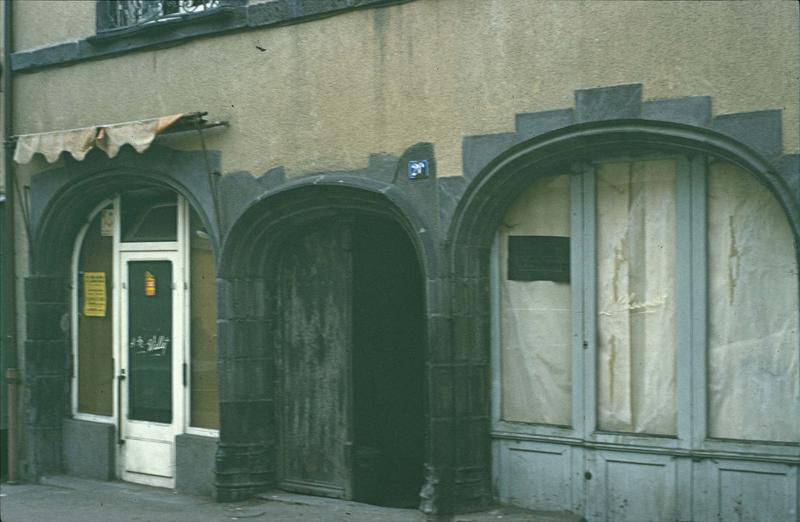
(314, 334)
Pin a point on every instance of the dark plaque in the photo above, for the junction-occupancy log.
(538, 258)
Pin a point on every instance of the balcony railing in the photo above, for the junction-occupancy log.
(129, 13)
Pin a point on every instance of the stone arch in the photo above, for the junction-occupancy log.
(62, 200)
(500, 177)
(493, 187)
(246, 458)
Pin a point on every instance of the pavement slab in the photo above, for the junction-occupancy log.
(71, 499)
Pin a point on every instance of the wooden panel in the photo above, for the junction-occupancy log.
(741, 490)
(95, 342)
(755, 495)
(203, 307)
(631, 487)
(535, 476)
(314, 278)
(149, 457)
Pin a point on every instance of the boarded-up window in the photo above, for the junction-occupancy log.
(204, 387)
(636, 297)
(753, 376)
(535, 306)
(95, 332)
(737, 294)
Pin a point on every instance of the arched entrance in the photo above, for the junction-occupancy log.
(349, 348)
(143, 332)
(614, 260)
(62, 200)
(344, 341)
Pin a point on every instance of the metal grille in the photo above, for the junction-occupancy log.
(127, 13)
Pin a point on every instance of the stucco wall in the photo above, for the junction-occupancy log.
(324, 95)
(38, 23)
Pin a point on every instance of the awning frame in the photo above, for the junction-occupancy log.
(94, 135)
(192, 121)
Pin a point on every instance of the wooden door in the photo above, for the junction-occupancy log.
(314, 318)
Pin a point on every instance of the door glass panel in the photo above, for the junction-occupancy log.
(753, 374)
(535, 305)
(636, 337)
(204, 394)
(95, 332)
(149, 214)
(150, 341)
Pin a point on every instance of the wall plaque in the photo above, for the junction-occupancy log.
(538, 258)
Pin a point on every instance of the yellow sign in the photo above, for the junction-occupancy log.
(149, 284)
(94, 294)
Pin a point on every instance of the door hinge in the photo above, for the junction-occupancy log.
(185, 376)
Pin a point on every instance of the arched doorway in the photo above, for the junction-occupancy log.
(62, 200)
(350, 361)
(143, 329)
(328, 306)
(630, 269)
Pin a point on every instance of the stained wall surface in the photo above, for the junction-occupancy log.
(323, 95)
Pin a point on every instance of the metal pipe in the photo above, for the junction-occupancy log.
(9, 283)
(12, 378)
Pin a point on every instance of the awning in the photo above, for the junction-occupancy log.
(108, 138)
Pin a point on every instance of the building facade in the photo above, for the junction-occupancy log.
(431, 253)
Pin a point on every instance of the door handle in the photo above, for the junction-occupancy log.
(120, 378)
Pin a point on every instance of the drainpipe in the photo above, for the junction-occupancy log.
(10, 277)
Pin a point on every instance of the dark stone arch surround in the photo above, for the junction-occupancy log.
(605, 121)
(246, 458)
(62, 199)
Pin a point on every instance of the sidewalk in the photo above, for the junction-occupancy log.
(71, 499)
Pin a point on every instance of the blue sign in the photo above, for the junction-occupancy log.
(417, 169)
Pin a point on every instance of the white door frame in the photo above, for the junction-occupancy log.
(178, 253)
(147, 449)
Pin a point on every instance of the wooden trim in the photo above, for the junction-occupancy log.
(699, 315)
(589, 299)
(683, 288)
(577, 273)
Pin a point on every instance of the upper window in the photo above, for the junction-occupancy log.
(116, 14)
(149, 215)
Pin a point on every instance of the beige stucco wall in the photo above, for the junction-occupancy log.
(39, 23)
(325, 94)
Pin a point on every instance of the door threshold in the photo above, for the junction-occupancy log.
(314, 489)
(301, 499)
(144, 479)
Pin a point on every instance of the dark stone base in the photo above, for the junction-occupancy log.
(194, 464)
(3, 455)
(234, 494)
(89, 450)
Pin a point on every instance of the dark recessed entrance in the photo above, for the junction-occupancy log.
(350, 337)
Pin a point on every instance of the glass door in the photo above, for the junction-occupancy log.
(150, 376)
